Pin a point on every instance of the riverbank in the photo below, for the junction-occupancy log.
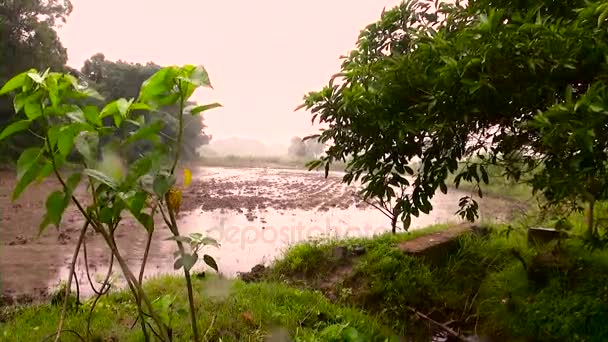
(492, 284)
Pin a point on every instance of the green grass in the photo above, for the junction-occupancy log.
(313, 258)
(228, 310)
(482, 285)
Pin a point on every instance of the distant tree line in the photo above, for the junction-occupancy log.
(28, 39)
(308, 148)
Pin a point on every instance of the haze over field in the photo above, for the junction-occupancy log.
(262, 56)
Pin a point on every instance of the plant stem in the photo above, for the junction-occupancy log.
(180, 246)
(136, 287)
(143, 263)
(146, 252)
(180, 131)
(68, 287)
(173, 221)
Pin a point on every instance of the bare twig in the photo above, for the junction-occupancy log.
(69, 285)
(146, 251)
(66, 331)
(444, 327)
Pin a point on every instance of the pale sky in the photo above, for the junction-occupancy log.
(262, 55)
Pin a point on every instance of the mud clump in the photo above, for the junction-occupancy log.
(256, 274)
(19, 240)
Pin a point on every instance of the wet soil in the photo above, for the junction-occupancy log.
(254, 213)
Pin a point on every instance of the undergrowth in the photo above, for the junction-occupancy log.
(496, 285)
(229, 311)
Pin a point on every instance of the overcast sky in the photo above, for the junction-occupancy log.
(262, 55)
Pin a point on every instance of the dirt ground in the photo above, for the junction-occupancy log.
(31, 265)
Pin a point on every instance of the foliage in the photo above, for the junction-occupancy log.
(28, 40)
(123, 80)
(244, 312)
(518, 83)
(142, 187)
(481, 286)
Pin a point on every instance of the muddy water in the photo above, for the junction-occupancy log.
(255, 214)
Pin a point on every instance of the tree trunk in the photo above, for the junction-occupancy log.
(394, 224)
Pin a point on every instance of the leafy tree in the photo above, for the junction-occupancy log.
(313, 147)
(297, 148)
(309, 148)
(510, 82)
(123, 80)
(28, 40)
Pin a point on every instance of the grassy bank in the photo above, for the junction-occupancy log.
(227, 310)
(495, 285)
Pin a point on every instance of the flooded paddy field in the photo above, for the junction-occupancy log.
(254, 213)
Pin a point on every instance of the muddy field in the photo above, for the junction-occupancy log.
(254, 213)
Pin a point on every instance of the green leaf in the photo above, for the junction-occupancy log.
(351, 334)
(15, 127)
(180, 238)
(596, 108)
(407, 221)
(28, 169)
(92, 93)
(140, 106)
(109, 110)
(86, 144)
(123, 106)
(135, 201)
(149, 132)
(101, 177)
(14, 83)
(72, 183)
(33, 110)
(65, 141)
(75, 114)
(210, 242)
(35, 77)
(188, 260)
(19, 101)
(146, 220)
(210, 261)
(484, 175)
(139, 168)
(162, 184)
(106, 215)
(45, 171)
(26, 179)
(443, 188)
(27, 158)
(159, 85)
(118, 119)
(55, 206)
(200, 77)
(198, 109)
